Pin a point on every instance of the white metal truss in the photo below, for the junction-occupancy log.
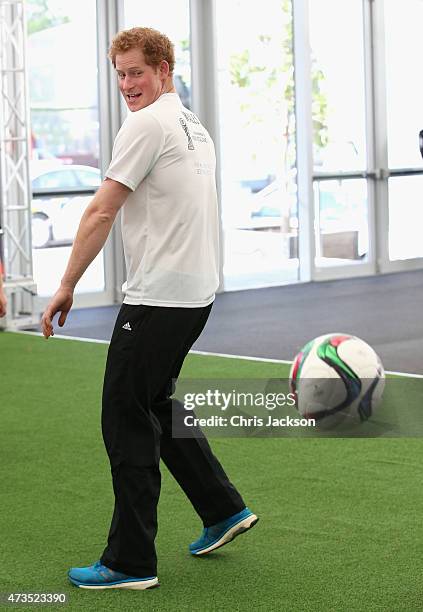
(15, 188)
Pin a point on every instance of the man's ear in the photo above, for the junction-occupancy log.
(164, 68)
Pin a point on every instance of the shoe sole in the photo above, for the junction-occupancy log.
(142, 585)
(228, 536)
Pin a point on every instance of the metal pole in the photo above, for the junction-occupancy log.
(15, 187)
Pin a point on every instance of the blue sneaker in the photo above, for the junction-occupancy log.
(217, 535)
(99, 576)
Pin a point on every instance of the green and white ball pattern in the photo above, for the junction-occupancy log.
(336, 377)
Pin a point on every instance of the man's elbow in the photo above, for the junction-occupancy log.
(107, 202)
(100, 214)
(106, 216)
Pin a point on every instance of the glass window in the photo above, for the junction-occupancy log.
(337, 53)
(339, 130)
(404, 93)
(63, 92)
(171, 18)
(91, 178)
(404, 86)
(62, 53)
(405, 213)
(257, 135)
(58, 179)
(341, 221)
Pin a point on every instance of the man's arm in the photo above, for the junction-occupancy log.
(95, 226)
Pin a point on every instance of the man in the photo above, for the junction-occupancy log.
(162, 175)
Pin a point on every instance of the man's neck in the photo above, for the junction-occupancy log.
(169, 87)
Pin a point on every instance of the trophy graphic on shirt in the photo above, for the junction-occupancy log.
(186, 130)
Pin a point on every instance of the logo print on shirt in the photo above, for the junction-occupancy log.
(186, 130)
(127, 326)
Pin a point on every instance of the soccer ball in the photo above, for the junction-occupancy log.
(337, 378)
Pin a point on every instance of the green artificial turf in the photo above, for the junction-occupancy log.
(340, 525)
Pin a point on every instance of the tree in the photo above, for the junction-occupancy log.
(271, 87)
(41, 16)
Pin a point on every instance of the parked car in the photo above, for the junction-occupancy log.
(342, 211)
(275, 202)
(55, 219)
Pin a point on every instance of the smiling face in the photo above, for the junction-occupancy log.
(139, 83)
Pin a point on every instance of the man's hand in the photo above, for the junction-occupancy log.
(61, 302)
(3, 303)
(92, 233)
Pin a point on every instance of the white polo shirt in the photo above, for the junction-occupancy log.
(170, 220)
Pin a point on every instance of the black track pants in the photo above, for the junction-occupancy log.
(147, 350)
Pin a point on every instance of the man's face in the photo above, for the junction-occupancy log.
(139, 83)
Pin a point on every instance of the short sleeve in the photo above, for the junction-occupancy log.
(136, 149)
